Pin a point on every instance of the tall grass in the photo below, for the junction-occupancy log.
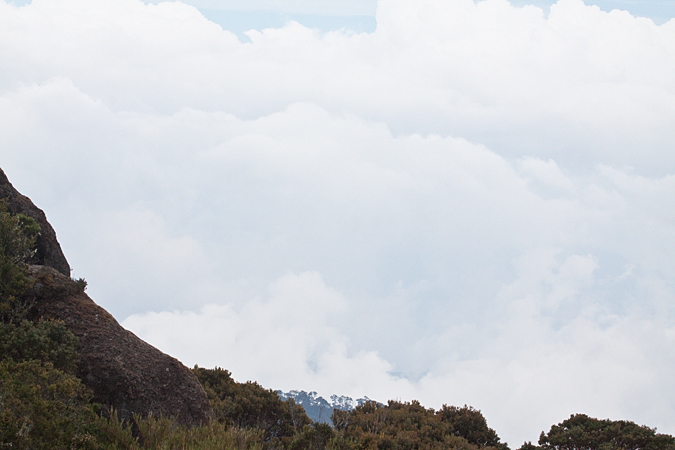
(162, 433)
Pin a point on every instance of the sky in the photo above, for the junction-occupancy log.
(459, 202)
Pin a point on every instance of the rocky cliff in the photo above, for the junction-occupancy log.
(123, 371)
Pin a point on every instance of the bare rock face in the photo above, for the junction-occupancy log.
(49, 251)
(125, 372)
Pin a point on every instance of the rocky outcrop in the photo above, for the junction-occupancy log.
(124, 372)
(49, 251)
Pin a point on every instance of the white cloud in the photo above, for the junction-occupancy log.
(319, 7)
(288, 338)
(470, 205)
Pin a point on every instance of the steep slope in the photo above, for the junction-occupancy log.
(124, 372)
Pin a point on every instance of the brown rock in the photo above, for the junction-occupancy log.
(125, 372)
(49, 251)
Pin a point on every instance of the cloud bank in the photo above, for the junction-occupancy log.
(473, 204)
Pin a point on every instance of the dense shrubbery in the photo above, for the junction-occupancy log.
(18, 234)
(44, 408)
(152, 433)
(581, 432)
(249, 405)
(46, 341)
(401, 426)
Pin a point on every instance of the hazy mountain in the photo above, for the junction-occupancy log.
(318, 408)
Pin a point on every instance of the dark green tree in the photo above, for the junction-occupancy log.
(581, 432)
(470, 424)
(403, 426)
(529, 446)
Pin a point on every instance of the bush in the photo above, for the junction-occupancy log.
(18, 235)
(402, 426)
(581, 432)
(316, 436)
(44, 408)
(470, 424)
(249, 405)
(163, 433)
(47, 341)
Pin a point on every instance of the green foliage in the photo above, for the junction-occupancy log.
(113, 433)
(470, 424)
(14, 291)
(529, 446)
(581, 432)
(316, 436)
(81, 284)
(400, 426)
(163, 433)
(249, 405)
(47, 341)
(44, 408)
(18, 234)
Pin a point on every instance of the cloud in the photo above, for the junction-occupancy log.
(471, 204)
(291, 331)
(322, 7)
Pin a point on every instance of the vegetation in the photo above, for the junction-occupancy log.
(400, 425)
(46, 341)
(43, 405)
(581, 432)
(249, 405)
(44, 408)
(163, 434)
(18, 234)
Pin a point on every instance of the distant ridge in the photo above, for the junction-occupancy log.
(318, 408)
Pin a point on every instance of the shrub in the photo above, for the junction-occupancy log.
(163, 433)
(400, 426)
(47, 341)
(18, 234)
(581, 432)
(470, 424)
(81, 284)
(249, 405)
(44, 408)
